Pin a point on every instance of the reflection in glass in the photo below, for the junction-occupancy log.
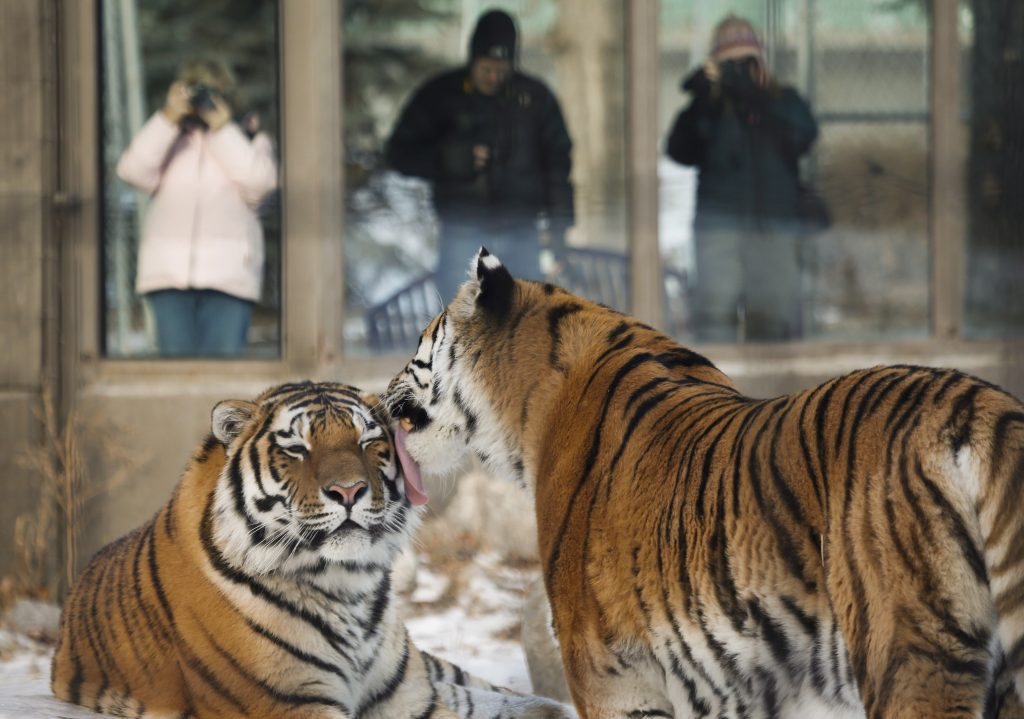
(993, 45)
(745, 134)
(863, 70)
(190, 173)
(467, 167)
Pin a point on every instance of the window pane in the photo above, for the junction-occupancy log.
(993, 45)
(191, 214)
(420, 204)
(784, 241)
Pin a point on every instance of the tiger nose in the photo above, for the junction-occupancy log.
(347, 496)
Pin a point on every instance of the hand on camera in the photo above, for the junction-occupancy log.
(481, 156)
(178, 103)
(217, 115)
(712, 71)
(182, 102)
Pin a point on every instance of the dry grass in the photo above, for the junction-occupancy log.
(59, 463)
(512, 633)
(447, 545)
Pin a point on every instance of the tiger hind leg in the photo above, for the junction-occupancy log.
(1002, 701)
(1002, 524)
(1008, 706)
(909, 590)
(610, 683)
(114, 702)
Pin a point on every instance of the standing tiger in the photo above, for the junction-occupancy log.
(263, 587)
(853, 550)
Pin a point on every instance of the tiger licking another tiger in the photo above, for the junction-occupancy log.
(853, 550)
(263, 587)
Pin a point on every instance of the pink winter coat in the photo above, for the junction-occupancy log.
(201, 228)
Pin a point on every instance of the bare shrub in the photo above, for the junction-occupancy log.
(60, 464)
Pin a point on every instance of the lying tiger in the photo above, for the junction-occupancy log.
(263, 588)
(853, 550)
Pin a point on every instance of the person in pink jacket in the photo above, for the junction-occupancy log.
(201, 257)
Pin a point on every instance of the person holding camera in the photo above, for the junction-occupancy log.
(200, 263)
(744, 133)
(493, 143)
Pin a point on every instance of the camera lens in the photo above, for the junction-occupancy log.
(201, 97)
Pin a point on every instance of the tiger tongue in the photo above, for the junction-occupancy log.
(413, 482)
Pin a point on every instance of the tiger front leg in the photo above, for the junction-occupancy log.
(607, 684)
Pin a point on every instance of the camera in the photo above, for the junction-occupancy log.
(202, 96)
(737, 74)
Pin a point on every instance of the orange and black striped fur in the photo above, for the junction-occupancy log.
(853, 550)
(262, 589)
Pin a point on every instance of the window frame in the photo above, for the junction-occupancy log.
(309, 61)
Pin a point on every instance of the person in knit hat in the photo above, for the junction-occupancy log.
(200, 262)
(745, 133)
(493, 143)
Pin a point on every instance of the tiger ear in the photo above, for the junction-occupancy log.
(229, 417)
(496, 283)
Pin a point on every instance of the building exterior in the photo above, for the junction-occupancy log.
(615, 65)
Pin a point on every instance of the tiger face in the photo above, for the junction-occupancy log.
(435, 425)
(446, 405)
(311, 479)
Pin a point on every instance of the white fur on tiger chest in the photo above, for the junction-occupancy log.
(342, 601)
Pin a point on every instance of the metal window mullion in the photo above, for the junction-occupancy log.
(312, 185)
(946, 213)
(642, 160)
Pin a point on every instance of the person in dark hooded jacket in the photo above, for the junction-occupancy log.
(745, 134)
(494, 145)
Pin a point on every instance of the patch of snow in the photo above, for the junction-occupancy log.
(25, 682)
(429, 587)
(480, 633)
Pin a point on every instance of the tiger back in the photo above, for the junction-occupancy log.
(853, 550)
(263, 587)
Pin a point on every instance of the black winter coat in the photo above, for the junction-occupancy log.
(530, 151)
(745, 147)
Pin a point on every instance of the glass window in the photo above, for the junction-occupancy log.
(457, 136)
(191, 220)
(794, 186)
(992, 41)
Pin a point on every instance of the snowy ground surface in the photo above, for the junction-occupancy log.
(468, 613)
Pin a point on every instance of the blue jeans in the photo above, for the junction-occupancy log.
(518, 248)
(200, 323)
(748, 285)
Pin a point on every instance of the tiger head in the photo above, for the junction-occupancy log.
(483, 367)
(310, 478)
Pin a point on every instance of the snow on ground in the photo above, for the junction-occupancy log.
(25, 681)
(480, 630)
(468, 613)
